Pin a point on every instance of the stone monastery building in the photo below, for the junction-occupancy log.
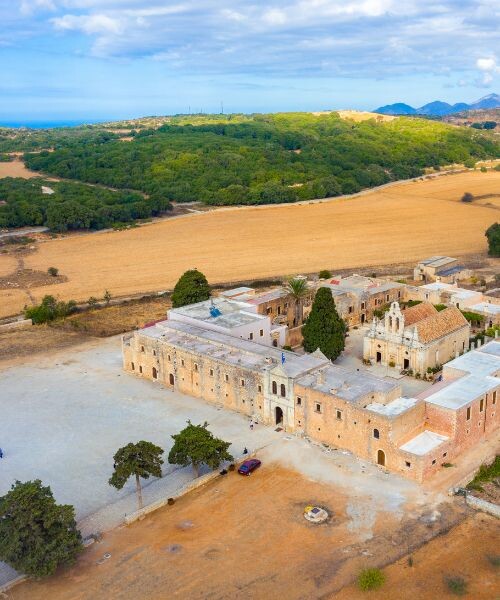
(418, 338)
(310, 396)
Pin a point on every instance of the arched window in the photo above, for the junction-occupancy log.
(283, 390)
(275, 387)
(132, 366)
(376, 434)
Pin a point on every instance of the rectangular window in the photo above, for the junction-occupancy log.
(242, 383)
(154, 352)
(481, 405)
(259, 388)
(169, 358)
(362, 305)
(339, 415)
(350, 309)
(387, 298)
(494, 398)
(182, 362)
(408, 464)
(226, 377)
(250, 337)
(196, 366)
(261, 333)
(468, 413)
(318, 408)
(211, 372)
(299, 401)
(279, 310)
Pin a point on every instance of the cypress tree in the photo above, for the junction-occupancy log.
(493, 235)
(324, 328)
(192, 287)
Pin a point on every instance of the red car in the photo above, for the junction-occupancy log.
(248, 466)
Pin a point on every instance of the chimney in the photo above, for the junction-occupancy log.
(320, 378)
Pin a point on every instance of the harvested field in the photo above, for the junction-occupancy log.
(241, 538)
(399, 223)
(467, 551)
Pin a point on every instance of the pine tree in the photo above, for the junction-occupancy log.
(324, 329)
(36, 534)
(195, 445)
(140, 460)
(192, 287)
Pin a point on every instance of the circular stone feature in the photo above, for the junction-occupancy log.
(315, 514)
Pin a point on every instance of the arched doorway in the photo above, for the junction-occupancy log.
(381, 458)
(155, 373)
(171, 379)
(278, 413)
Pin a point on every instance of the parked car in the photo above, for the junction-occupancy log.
(248, 466)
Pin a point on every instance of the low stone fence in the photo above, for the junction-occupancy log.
(22, 324)
(482, 505)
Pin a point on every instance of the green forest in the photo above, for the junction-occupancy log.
(72, 205)
(261, 159)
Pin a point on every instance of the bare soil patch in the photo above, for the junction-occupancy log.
(112, 320)
(464, 551)
(238, 538)
(39, 338)
(16, 168)
(406, 222)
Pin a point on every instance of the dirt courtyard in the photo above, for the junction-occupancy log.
(404, 222)
(238, 538)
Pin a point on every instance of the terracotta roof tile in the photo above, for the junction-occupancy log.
(418, 312)
(443, 323)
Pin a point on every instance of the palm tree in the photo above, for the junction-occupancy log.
(298, 289)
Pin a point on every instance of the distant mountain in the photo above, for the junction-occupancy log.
(396, 109)
(438, 108)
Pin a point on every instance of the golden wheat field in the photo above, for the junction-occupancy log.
(400, 223)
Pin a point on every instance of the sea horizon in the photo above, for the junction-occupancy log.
(49, 123)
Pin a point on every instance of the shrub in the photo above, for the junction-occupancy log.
(494, 560)
(92, 301)
(467, 197)
(370, 579)
(447, 465)
(107, 296)
(457, 585)
(483, 169)
(493, 236)
(392, 364)
(53, 271)
(49, 309)
(325, 274)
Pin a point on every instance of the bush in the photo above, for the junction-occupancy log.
(53, 271)
(392, 364)
(325, 274)
(467, 197)
(494, 560)
(192, 287)
(457, 585)
(370, 579)
(493, 236)
(49, 309)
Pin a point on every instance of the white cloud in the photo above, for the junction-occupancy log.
(91, 24)
(486, 64)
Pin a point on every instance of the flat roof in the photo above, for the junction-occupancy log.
(451, 271)
(230, 349)
(424, 443)
(231, 313)
(351, 386)
(438, 285)
(237, 291)
(486, 307)
(462, 391)
(268, 296)
(394, 408)
(483, 361)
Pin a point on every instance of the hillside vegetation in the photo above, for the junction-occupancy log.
(71, 205)
(262, 159)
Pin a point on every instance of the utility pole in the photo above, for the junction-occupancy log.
(221, 107)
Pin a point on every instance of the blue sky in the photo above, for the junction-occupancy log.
(102, 59)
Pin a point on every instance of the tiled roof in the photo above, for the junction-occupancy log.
(418, 312)
(440, 324)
